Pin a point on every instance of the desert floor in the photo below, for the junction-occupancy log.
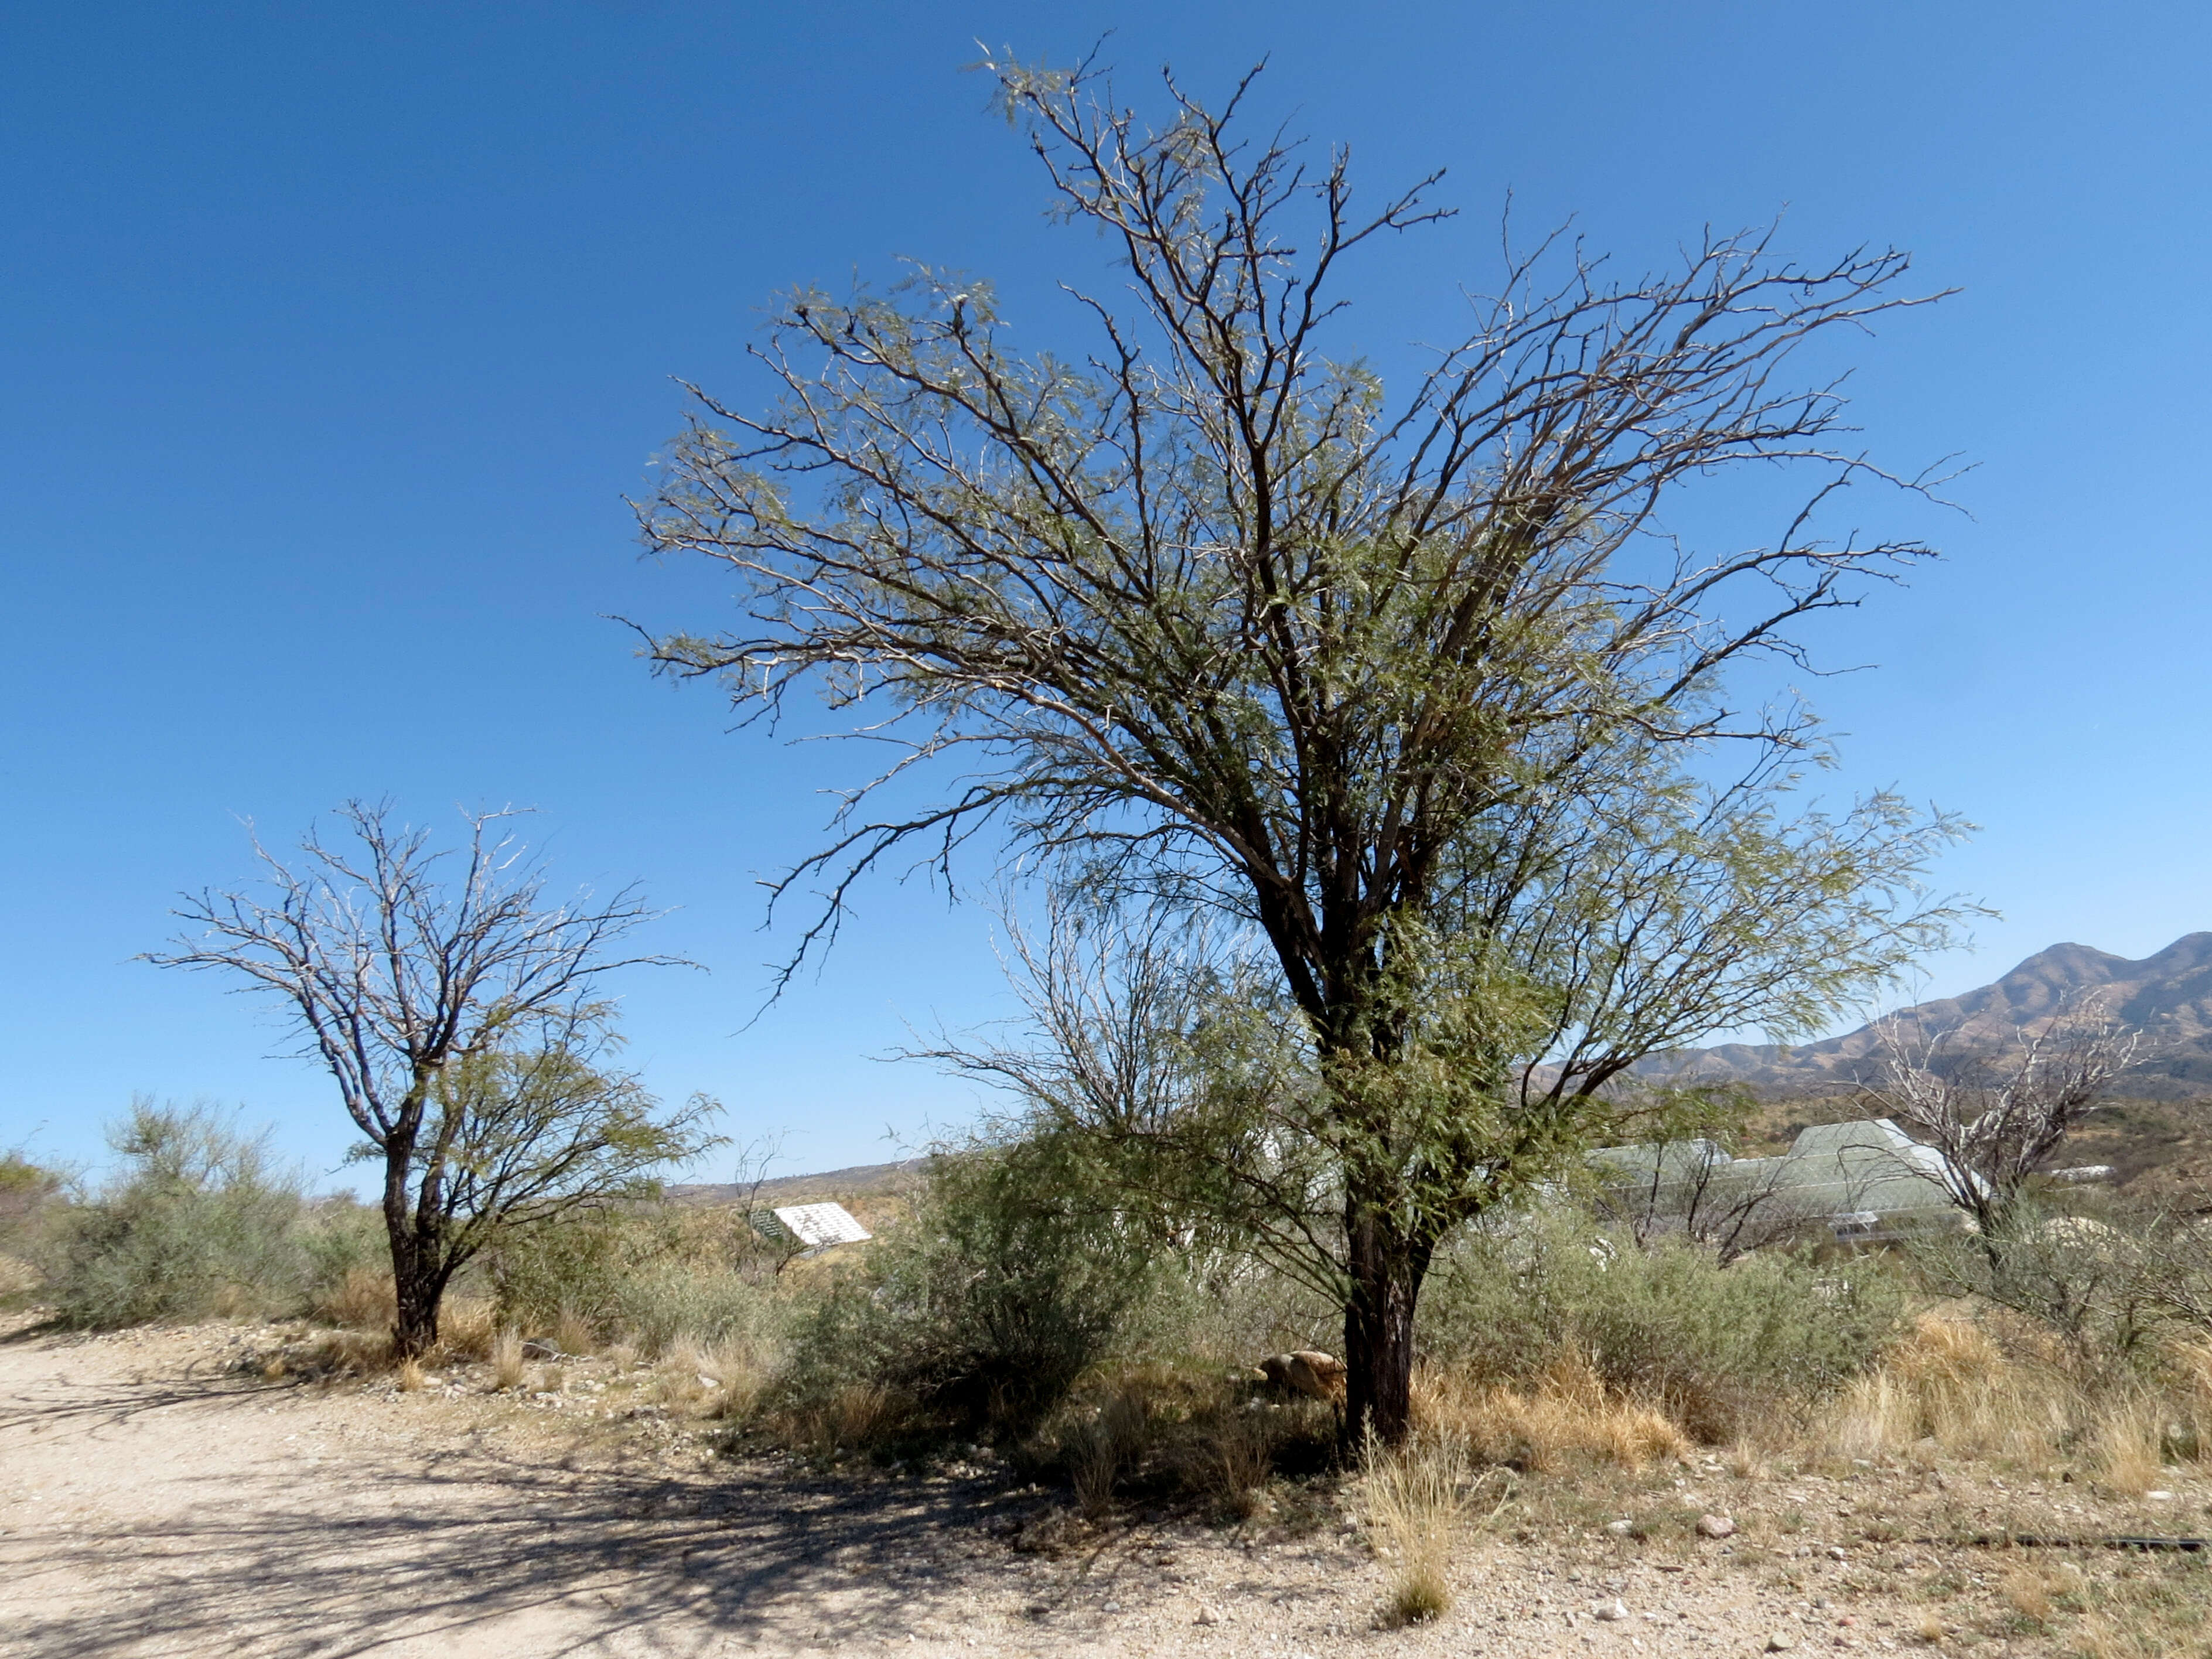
(161, 1493)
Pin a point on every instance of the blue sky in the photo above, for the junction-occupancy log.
(331, 338)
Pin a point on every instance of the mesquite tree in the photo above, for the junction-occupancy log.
(1421, 689)
(2000, 1117)
(456, 1016)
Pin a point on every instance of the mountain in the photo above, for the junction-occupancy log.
(2167, 996)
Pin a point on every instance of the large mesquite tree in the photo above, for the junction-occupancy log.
(1417, 687)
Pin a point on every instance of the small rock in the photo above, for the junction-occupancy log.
(707, 1381)
(1780, 1642)
(1111, 1606)
(1715, 1526)
(1612, 1611)
(1210, 1615)
(1835, 1553)
(1619, 1528)
(2159, 1496)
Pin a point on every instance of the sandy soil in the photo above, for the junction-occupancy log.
(158, 1495)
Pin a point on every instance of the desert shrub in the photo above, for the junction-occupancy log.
(26, 1191)
(1175, 1431)
(31, 1203)
(348, 1264)
(665, 1301)
(2116, 1286)
(654, 1275)
(196, 1221)
(1009, 1281)
(1713, 1346)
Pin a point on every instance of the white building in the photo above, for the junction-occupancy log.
(1868, 1180)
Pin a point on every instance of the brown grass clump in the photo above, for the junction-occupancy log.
(1095, 1451)
(1187, 1432)
(362, 1300)
(1948, 1382)
(2124, 1446)
(466, 1328)
(410, 1377)
(1415, 1500)
(573, 1333)
(507, 1358)
(850, 1419)
(352, 1354)
(2024, 1588)
(1568, 1414)
(1239, 1453)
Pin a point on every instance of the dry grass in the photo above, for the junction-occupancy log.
(850, 1419)
(1238, 1461)
(2149, 1611)
(506, 1365)
(2123, 1443)
(1188, 1431)
(2029, 1593)
(573, 1333)
(467, 1329)
(1109, 1429)
(1949, 1386)
(1095, 1451)
(362, 1300)
(1569, 1415)
(410, 1377)
(742, 1374)
(1415, 1500)
(351, 1353)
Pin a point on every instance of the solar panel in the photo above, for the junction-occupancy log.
(820, 1225)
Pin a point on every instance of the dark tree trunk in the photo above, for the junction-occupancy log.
(1387, 1271)
(415, 1332)
(419, 1269)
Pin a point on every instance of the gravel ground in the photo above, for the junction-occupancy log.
(160, 1494)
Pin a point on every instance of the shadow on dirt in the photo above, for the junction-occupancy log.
(559, 1559)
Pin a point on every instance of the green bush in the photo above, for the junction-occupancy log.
(1010, 1279)
(654, 1275)
(1714, 1345)
(31, 1200)
(196, 1222)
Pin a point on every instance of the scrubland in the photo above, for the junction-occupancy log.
(1626, 1443)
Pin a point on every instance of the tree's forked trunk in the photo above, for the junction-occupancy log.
(415, 1331)
(418, 1270)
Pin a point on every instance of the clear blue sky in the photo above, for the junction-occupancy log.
(332, 337)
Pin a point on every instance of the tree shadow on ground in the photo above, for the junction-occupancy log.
(426, 1553)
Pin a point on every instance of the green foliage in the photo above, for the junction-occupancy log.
(31, 1201)
(196, 1222)
(650, 1274)
(1012, 1280)
(1719, 1346)
(534, 1134)
(26, 1191)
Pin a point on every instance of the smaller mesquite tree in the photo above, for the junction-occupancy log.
(1421, 687)
(456, 1017)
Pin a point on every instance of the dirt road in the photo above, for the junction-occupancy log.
(154, 1501)
(155, 1498)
